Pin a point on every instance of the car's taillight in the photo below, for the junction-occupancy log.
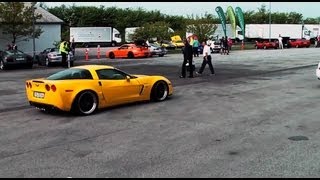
(28, 84)
(47, 87)
(53, 88)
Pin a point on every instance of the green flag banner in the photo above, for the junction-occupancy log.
(239, 14)
(222, 18)
(232, 18)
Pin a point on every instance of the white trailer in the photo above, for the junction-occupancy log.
(89, 36)
(128, 33)
(292, 31)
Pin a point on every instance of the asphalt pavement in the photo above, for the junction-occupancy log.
(258, 117)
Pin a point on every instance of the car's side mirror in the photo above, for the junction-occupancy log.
(128, 78)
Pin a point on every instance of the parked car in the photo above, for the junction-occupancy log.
(318, 71)
(51, 56)
(128, 51)
(157, 50)
(167, 44)
(215, 47)
(84, 89)
(266, 45)
(299, 43)
(177, 41)
(10, 58)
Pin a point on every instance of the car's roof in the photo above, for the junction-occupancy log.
(94, 67)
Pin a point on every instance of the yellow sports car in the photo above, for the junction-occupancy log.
(83, 89)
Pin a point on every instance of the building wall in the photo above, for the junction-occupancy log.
(51, 33)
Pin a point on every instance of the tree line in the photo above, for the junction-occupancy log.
(77, 16)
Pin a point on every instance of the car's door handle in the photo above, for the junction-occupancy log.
(99, 83)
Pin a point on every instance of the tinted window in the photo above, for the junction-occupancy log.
(111, 74)
(11, 52)
(75, 73)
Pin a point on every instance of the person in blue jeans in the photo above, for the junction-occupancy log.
(195, 47)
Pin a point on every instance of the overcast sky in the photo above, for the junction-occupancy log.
(307, 9)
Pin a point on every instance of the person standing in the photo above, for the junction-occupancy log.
(280, 42)
(73, 46)
(226, 46)
(63, 49)
(195, 46)
(187, 58)
(206, 59)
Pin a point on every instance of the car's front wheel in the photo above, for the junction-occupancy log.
(85, 103)
(130, 55)
(159, 91)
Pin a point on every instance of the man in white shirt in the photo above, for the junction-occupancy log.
(206, 59)
(280, 42)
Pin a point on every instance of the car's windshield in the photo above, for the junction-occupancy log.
(10, 52)
(74, 73)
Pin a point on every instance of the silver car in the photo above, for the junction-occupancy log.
(157, 50)
(52, 56)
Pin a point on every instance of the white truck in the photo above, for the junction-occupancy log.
(292, 31)
(93, 36)
(128, 33)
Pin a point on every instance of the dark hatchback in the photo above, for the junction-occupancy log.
(15, 58)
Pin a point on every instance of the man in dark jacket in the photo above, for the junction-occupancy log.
(187, 58)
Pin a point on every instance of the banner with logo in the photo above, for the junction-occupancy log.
(232, 18)
(239, 14)
(222, 18)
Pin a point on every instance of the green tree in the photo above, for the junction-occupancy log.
(148, 31)
(203, 27)
(17, 20)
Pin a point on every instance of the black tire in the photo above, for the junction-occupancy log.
(2, 65)
(29, 66)
(130, 55)
(47, 62)
(160, 91)
(111, 55)
(161, 55)
(85, 103)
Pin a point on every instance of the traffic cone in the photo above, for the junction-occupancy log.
(87, 54)
(98, 53)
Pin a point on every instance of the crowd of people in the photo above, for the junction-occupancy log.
(191, 50)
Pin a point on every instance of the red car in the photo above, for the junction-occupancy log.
(266, 45)
(128, 51)
(299, 43)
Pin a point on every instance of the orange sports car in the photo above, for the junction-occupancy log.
(128, 51)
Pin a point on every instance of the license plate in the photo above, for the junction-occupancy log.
(38, 94)
(19, 59)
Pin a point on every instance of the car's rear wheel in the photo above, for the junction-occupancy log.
(161, 55)
(85, 103)
(2, 65)
(30, 65)
(130, 55)
(111, 55)
(159, 91)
